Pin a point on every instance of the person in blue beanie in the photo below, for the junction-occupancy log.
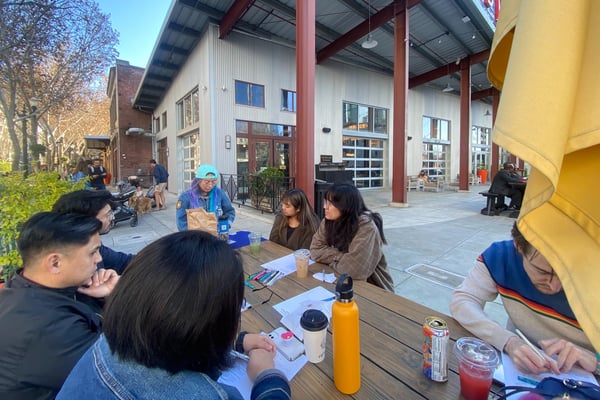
(204, 193)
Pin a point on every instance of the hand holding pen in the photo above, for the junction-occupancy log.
(527, 357)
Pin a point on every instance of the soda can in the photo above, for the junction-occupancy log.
(435, 349)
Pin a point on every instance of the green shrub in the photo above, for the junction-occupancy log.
(19, 199)
(265, 185)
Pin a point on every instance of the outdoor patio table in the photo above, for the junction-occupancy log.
(391, 335)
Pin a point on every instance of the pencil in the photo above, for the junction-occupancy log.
(531, 346)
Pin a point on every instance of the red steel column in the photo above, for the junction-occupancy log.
(305, 97)
(401, 46)
(465, 123)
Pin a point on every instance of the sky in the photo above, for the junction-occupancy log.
(138, 23)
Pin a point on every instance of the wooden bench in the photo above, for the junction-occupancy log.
(492, 200)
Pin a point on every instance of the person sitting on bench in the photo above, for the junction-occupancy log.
(501, 185)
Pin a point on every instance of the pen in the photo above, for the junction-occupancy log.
(271, 277)
(259, 275)
(252, 276)
(239, 355)
(527, 380)
(328, 299)
(531, 346)
(277, 277)
(249, 285)
(266, 276)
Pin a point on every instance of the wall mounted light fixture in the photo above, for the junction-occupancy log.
(326, 130)
(167, 152)
(228, 141)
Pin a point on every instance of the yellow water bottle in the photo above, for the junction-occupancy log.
(346, 338)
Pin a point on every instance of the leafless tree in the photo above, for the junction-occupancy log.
(52, 50)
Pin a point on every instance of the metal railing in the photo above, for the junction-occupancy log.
(256, 191)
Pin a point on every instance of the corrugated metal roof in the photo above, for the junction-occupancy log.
(441, 32)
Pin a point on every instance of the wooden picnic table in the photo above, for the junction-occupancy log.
(391, 336)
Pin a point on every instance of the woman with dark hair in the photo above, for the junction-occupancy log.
(350, 237)
(170, 326)
(296, 223)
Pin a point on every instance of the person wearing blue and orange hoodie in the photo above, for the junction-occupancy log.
(535, 302)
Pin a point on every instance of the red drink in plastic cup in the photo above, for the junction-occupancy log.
(477, 362)
(475, 383)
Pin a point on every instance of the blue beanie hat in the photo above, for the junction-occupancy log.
(205, 169)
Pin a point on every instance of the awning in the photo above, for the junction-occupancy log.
(96, 142)
(545, 59)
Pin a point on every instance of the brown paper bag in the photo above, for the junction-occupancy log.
(200, 219)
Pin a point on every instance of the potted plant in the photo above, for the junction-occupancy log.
(482, 172)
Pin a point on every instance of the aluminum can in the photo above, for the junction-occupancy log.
(436, 338)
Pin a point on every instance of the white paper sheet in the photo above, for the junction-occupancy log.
(512, 374)
(292, 309)
(237, 376)
(285, 264)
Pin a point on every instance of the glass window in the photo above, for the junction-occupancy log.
(288, 100)
(188, 110)
(249, 94)
(362, 118)
(164, 120)
(156, 125)
(190, 150)
(364, 157)
(350, 116)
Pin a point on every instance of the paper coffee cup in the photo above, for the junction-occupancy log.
(314, 328)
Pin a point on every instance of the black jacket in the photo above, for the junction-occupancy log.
(500, 183)
(43, 333)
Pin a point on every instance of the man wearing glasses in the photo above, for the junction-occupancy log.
(204, 193)
(536, 305)
(95, 204)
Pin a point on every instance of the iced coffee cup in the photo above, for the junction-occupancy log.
(254, 239)
(477, 362)
(314, 329)
(302, 256)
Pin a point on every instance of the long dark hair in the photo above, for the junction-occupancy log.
(307, 216)
(177, 306)
(349, 201)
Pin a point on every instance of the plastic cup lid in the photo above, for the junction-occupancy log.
(476, 353)
(313, 320)
(302, 252)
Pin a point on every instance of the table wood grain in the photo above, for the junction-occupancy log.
(391, 337)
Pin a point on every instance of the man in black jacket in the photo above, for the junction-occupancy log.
(50, 310)
(95, 204)
(501, 185)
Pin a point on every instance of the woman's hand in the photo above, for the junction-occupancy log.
(569, 354)
(260, 360)
(253, 341)
(526, 360)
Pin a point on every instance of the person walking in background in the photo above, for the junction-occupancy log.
(50, 310)
(170, 326)
(204, 193)
(296, 223)
(95, 203)
(161, 176)
(350, 238)
(97, 174)
(535, 302)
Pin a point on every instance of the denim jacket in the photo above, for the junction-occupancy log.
(185, 202)
(100, 375)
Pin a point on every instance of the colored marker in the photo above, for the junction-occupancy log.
(527, 380)
(249, 285)
(328, 299)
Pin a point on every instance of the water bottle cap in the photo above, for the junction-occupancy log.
(344, 291)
